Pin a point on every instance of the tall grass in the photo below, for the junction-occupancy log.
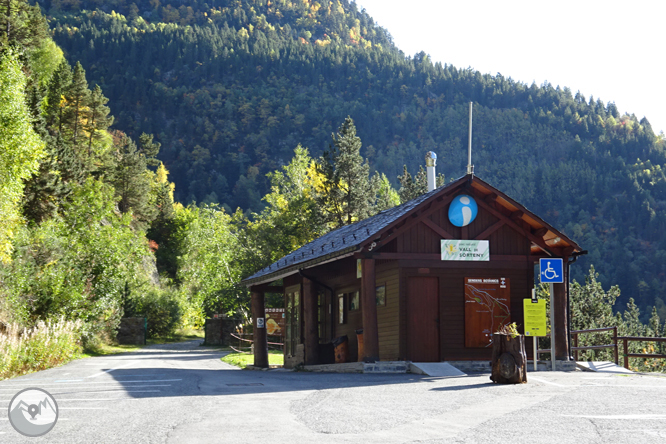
(46, 345)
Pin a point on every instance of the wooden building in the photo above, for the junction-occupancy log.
(422, 287)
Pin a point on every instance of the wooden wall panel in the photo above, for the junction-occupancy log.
(388, 316)
(354, 321)
(421, 239)
(452, 305)
(483, 221)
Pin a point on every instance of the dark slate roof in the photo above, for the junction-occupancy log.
(336, 243)
(349, 239)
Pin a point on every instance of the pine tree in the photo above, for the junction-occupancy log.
(163, 228)
(98, 117)
(149, 149)
(413, 188)
(387, 197)
(349, 190)
(77, 96)
(129, 178)
(55, 96)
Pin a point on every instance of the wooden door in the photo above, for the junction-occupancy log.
(423, 319)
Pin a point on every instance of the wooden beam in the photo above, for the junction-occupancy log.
(517, 215)
(260, 342)
(311, 332)
(436, 228)
(512, 224)
(541, 232)
(267, 288)
(416, 218)
(369, 311)
(438, 257)
(490, 230)
(490, 199)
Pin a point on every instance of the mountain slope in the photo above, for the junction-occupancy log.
(231, 87)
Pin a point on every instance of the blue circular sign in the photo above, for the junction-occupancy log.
(463, 210)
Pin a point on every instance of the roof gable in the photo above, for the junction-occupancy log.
(347, 240)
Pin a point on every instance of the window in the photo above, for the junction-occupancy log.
(380, 295)
(354, 301)
(342, 314)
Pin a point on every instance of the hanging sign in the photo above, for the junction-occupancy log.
(465, 250)
(535, 317)
(551, 270)
(463, 210)
(487, 309)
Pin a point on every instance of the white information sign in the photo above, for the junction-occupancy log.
(465, 250)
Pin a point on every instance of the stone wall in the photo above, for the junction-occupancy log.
(132, 331)
(297, 359)
(218, 331)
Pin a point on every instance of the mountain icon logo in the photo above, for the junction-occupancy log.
(33, 412)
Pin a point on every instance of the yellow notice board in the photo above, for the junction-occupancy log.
(535, 317)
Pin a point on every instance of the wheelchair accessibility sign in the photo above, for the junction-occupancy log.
(551, 271)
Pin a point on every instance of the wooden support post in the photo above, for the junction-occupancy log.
(259, 322)
(626, 353)
(615, 342)
(560, 318)
(311, 333)
(369, 307)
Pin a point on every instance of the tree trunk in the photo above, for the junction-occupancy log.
(509, 364)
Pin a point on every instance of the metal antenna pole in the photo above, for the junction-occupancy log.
(470, 167)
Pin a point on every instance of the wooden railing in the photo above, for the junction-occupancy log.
(575, 348)
(627, 355)
(241, 340)
(614, 345)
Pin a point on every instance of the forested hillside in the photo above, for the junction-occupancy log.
(90, 226)
(231, 87)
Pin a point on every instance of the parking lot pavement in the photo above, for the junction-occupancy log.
(184, 394)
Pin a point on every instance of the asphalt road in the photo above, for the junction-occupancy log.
(183, 393)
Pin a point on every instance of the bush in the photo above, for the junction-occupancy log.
(44, 346)
(163, 310)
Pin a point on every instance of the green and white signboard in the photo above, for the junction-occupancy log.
(465, 250)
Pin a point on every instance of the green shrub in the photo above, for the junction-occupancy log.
(162, 308)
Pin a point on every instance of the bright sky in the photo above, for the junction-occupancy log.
(609, 49)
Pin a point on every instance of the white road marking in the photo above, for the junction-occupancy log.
(612, 417)
(30, 380)
(533, 378)
(120, 387)
(111, 370)
(110, 391)
(70, 384)
(83, 408)
(99, 399)
(625, 385)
